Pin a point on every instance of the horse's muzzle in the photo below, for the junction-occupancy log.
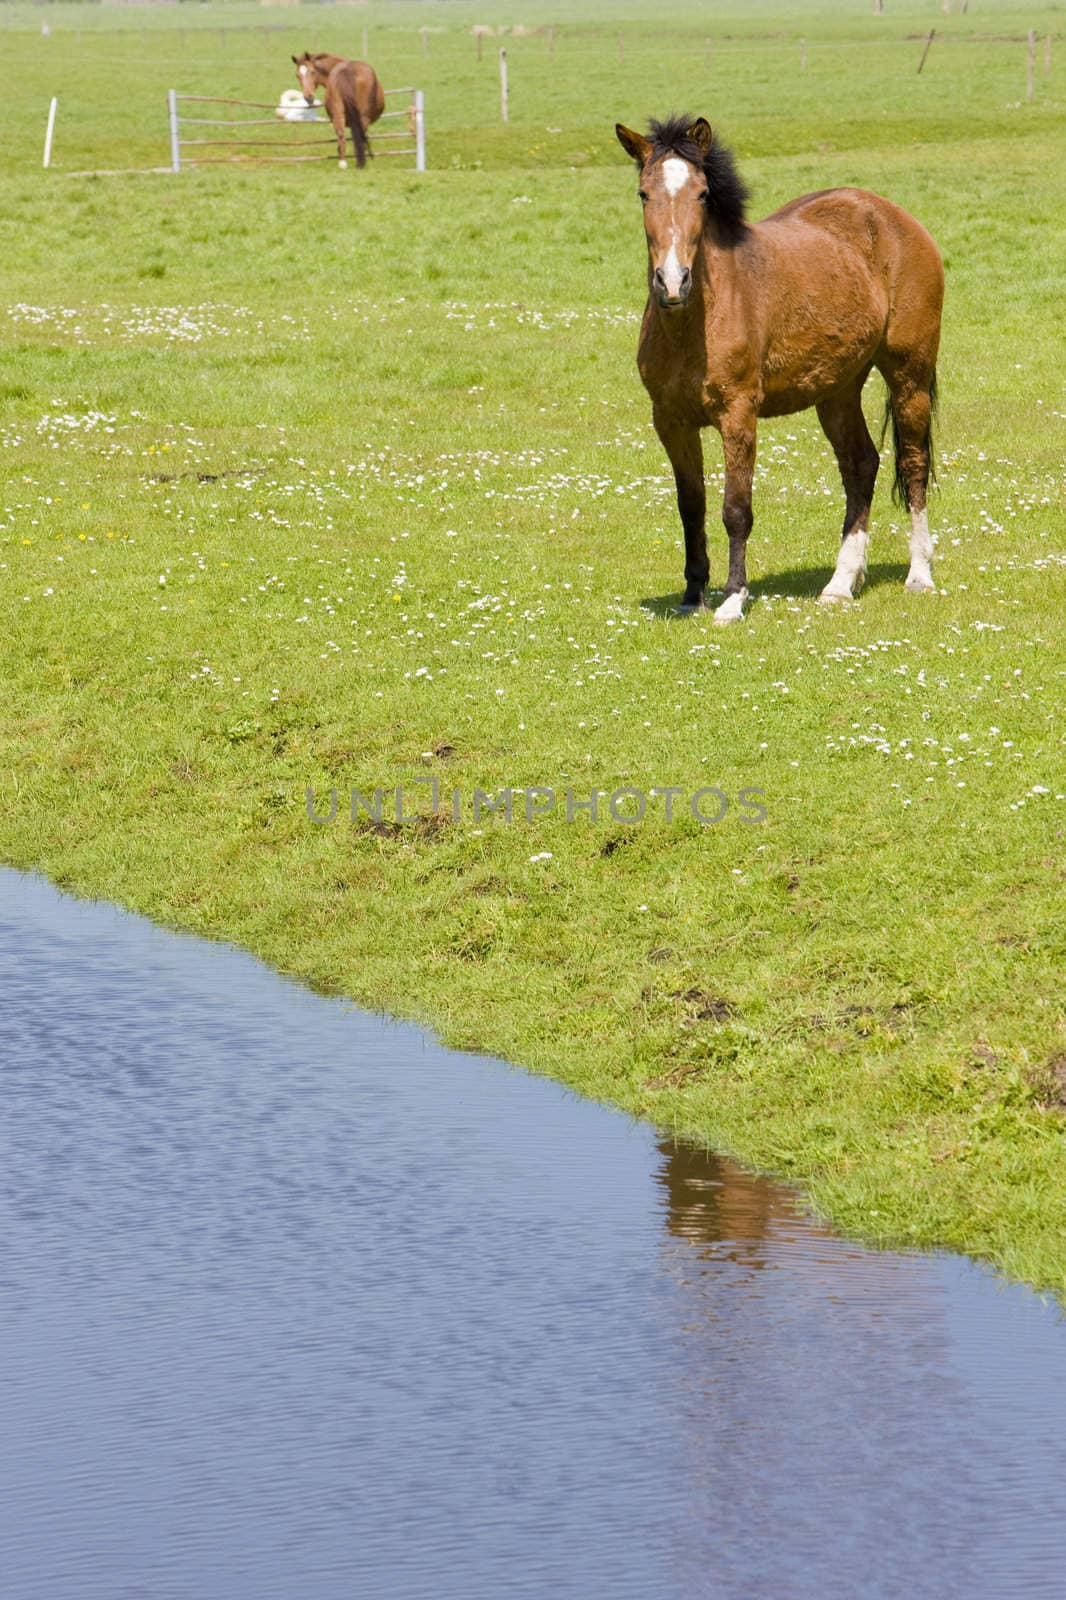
(672, 295)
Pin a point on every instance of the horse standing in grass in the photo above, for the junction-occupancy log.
(759, 320)
(354, 97)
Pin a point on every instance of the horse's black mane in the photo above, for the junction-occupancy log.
(727, 193)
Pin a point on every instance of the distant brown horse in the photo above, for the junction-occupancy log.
(759, 320)
(354, 97)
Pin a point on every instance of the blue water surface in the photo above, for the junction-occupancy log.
(296, 1303)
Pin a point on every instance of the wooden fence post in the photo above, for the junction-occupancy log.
(1030, 64)
(503, 85)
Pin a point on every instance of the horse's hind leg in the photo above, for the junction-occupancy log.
(340, 128)
(845, 427)
(911, 398)
(907, 363)
(360, 141)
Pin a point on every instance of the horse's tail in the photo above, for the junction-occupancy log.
(354, 118)
(899, 486)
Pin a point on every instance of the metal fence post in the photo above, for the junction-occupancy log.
(420, 131)
(49, 132)
(175, 142)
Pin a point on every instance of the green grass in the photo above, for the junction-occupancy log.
(384, 440)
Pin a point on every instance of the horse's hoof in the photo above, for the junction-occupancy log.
(342, 164)
(731, 609)
(920, 586)
(832, 597)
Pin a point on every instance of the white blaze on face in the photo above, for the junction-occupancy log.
(676, 174)
(671, 270)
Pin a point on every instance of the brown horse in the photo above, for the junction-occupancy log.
(354, 97)
(759, 320)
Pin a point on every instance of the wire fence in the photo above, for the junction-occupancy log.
(290, 121)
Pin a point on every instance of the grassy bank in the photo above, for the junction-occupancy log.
(321, 480)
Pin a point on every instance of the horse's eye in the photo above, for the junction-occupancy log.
(702, 196)
(642, 194)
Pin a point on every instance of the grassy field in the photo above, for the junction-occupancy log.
(321, 479)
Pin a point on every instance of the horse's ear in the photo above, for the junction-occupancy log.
(634, 144)
(700, 132)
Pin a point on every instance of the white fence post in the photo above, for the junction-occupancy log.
(503, 85)
(420, 131)
(49, 132)
(175, 144)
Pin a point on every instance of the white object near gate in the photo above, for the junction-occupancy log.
(292, 107)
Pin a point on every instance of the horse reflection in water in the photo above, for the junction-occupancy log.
(823, 1409)
(740, 1216)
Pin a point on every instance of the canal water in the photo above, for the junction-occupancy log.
(294, 1302)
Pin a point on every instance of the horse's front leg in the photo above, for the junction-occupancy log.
(738, 448)
(685, 450)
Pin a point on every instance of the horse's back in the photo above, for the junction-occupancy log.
(886, 235)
